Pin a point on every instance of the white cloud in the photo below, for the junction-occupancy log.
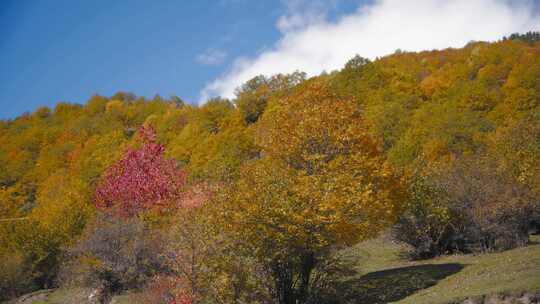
(302, 13)
(314, 44)
(211, 57)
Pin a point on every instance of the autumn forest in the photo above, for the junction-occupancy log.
(251, 199)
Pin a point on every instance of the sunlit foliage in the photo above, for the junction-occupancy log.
(297, 167)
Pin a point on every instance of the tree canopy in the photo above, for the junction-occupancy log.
(287, 172)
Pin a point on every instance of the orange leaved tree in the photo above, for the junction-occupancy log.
(321, 183)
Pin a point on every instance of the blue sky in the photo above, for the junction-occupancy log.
(67, 50)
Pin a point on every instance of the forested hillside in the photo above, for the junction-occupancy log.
(248, 200)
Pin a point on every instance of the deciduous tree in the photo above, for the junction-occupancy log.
(321, 184)
(143, 179)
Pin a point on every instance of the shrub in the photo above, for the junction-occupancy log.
(495, 209)
(114, 255)
(205, 263)
(426, 224)
(468, 208)
(15, 276)
(159, 291)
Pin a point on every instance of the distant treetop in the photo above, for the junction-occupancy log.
(529, 37)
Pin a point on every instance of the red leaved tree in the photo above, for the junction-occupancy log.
(142, 179)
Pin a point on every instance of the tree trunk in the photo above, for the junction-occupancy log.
(292, 281)
(308, 263)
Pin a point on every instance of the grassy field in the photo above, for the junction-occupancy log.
(378, 272)
(384, 275)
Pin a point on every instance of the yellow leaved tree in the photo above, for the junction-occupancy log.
(321, 183)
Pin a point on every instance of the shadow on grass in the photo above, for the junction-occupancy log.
(534, 239)
(390, 285)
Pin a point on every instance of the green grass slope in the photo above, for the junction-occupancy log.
(378, 272)
(383, 275)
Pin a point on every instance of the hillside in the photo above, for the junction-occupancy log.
(390, 278)
(247, 200)
(383, 275)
